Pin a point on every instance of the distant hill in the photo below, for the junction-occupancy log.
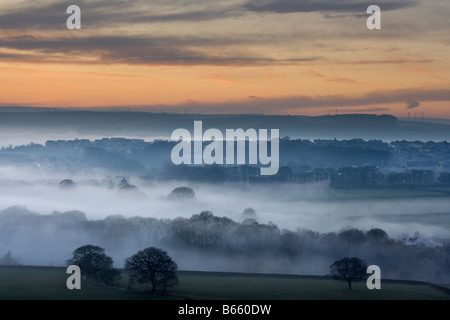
(148, 125)
(25, 109)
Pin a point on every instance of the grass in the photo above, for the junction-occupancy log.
(30, 283)
(256, 287)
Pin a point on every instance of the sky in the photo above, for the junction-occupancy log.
(304, 57)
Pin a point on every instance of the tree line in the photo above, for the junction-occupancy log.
(150, 265)
(301, 161)
(220, 243)
(154, 266)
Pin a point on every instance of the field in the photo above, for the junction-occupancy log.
(401, 192)
(30, 283)
(428, 198)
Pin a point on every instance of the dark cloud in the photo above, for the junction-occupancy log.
(351, 104)
(290, 6)
(372, 98)
(172, 49)
(136, 50)
(361, 110)
(31, 17)
(255, 97)
(335, 101)
(107, 13)
(111, 13)
(412, 104)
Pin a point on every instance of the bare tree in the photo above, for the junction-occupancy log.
(182, 193)
(152, 265)
(94, 263)
(349, 269)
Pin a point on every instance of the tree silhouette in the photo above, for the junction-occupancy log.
(349, 269)
(94, 263)
(8, 259)
(182, 193)
(376, 234)
(152, 265)
(67, 183)
(249, 216)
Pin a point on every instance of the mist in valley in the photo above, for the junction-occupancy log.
(288, 205)
(56, 196)
(290, 230)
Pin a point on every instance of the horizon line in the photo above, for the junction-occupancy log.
(118, 109)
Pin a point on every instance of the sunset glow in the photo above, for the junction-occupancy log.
(280, 57)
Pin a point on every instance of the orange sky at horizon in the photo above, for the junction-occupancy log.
(67, 86)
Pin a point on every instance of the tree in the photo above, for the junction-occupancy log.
(67, 184)
(169, 277)
(353, 236)
(376, 234)
(182, 193)
(124, 185)
(349, 269)
(249, 216)
(152, 265)
(8, 260)
(109, 275)
(94, 263)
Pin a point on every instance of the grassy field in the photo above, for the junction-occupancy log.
(31, 283)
